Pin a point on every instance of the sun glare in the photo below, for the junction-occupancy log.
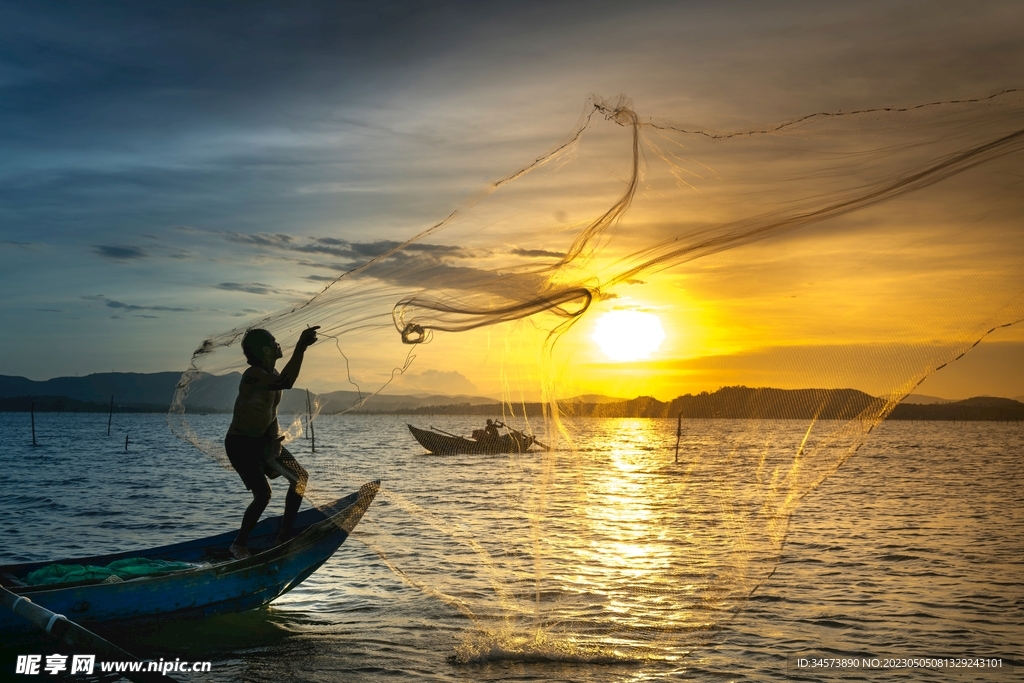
(628, 335)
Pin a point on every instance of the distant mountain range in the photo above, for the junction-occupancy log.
(126, 387)
(766, 403)
(137, 392)
(977, 408)
(153, 392)
(924, 400)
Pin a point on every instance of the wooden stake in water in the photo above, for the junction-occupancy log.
(110, 418)
(32, 410)
(309, 422)
(307, 414)
(679, 434)
(126, 442)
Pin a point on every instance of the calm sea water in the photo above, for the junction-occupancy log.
(607, 562)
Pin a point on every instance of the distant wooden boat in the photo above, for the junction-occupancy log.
(217, 584)
(445, 444)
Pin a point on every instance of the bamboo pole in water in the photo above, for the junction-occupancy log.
(309, 421)
(307, 414)
(679, 434)
(60, 627)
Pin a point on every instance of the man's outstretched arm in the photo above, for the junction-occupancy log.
(290, 372)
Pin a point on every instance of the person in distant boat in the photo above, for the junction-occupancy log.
(492, 430)
(252, 443)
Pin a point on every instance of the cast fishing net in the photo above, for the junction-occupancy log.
(862, 249)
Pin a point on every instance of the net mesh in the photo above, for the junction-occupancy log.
(862, 249)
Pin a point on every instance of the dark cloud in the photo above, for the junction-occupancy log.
(278, 240)
(538, 253)
(419, 265)
(353, 253)
(128, 253)
(336, 266)
(119, 253)
(250, 287)
(112, 303)
(20, 245)
(361, 251)
(345, 252)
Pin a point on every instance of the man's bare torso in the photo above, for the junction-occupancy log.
(256, 406)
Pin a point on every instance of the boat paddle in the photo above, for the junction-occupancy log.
(446, 433)
(523, 437)
(63, 629)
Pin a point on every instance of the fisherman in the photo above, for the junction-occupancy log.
(253, 443)
(492, 430)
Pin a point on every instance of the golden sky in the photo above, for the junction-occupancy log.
(165, 190)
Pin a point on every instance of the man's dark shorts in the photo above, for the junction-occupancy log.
(251, 458)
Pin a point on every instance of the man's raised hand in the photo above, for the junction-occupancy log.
(308, 336)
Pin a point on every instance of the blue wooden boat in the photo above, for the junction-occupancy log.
(217, 583)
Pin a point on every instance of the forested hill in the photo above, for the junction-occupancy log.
(728, 402)
(763, 403)
(977, 408)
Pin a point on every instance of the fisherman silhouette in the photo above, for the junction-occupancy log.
(253, 443)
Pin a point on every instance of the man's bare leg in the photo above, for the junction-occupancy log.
(260, 500)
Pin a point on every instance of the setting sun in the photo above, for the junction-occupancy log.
(628, 335)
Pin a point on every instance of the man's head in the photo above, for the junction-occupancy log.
(490, 422)
(260, 347)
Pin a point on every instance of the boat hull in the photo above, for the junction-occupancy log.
(439, 444)
(222, 585)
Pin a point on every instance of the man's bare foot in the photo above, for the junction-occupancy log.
(239, 552)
